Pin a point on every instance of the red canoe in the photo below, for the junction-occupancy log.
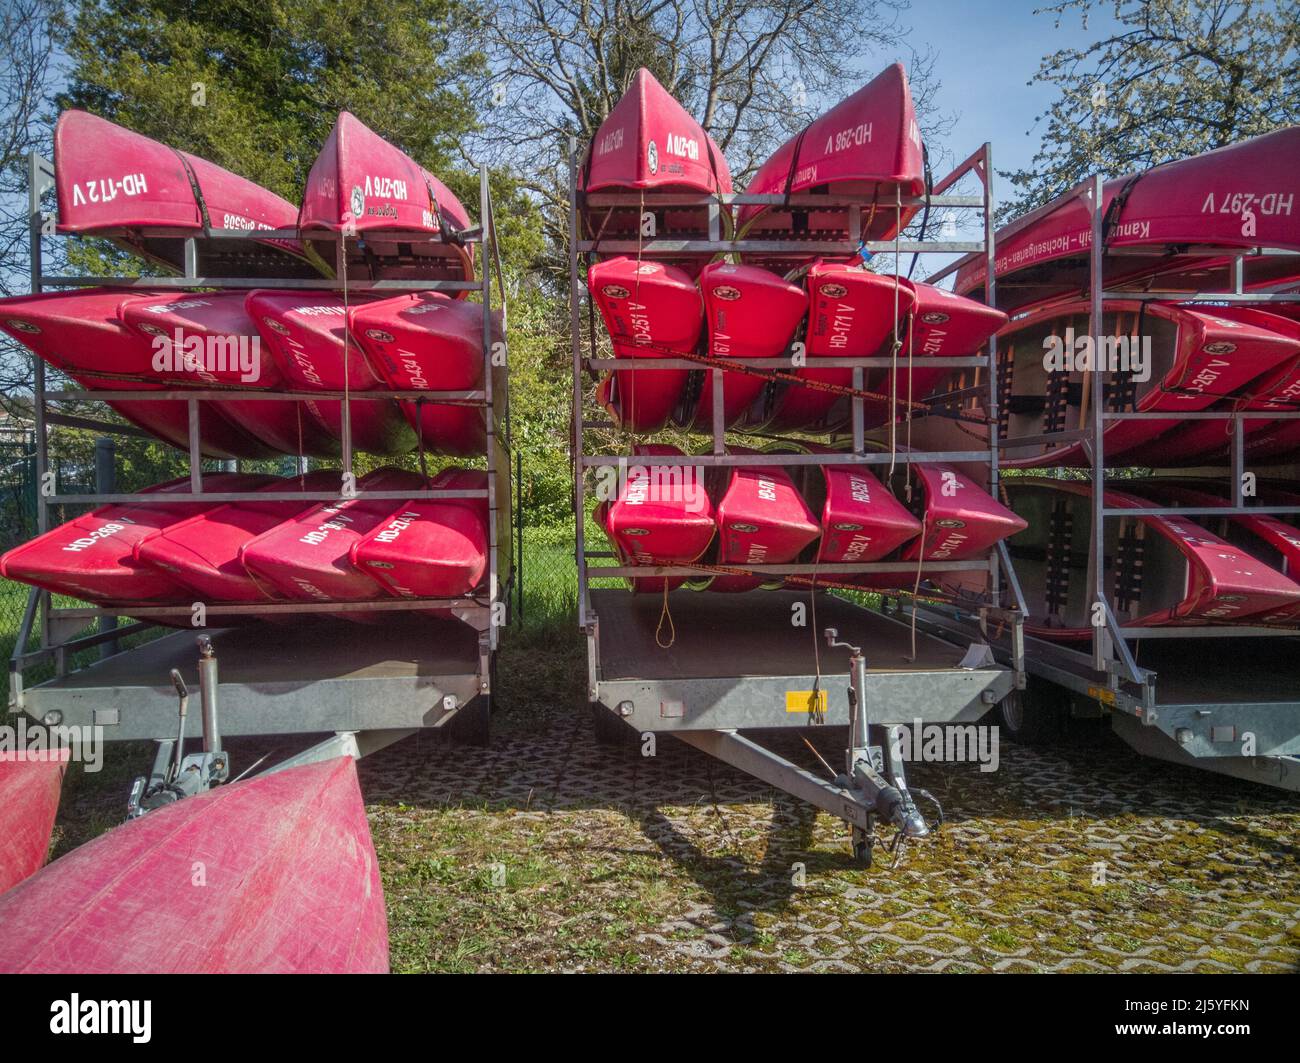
(202, 552)
(114, 182)
(851, 314)
(92, 557)
(762, 520)
(429, 548)
(1160, 570)
(207, 339)
(30, 782)
(1241, 196)
(1209, 442)
(861, 520)
(81, 335)
(649, 143)
(751, 313)
(308, 556)
(273, 875)
(662, 516)
(305, 334)
(426, 341)
(650, 311)
(867, 148)
(1198, 358)
(362, 184)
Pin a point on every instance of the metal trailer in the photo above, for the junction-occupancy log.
(737, 664)
(371, 684)
(1224, 698)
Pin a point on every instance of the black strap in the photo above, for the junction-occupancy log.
(196, 190)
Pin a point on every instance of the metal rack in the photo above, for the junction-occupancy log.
(745, 672)
(387, 686)
(1193, 717)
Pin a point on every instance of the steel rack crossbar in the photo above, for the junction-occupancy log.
(331, 674)
(735, 661)
(1181, 703)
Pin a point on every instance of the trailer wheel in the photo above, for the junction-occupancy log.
(1033, 715)
(610, 730)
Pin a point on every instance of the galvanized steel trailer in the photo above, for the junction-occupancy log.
(1224, 698)
(740, 664)
(372, 684)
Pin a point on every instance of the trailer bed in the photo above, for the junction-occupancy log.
(329, 675)
(740, 661)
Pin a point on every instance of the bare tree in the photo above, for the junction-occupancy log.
(1176, 78)
(27, 82)
(752, 71)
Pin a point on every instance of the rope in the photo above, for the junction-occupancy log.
(920, 561)
(665, 614)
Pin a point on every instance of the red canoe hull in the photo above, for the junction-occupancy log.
(30, 783)
(650, 311)
(290, 885)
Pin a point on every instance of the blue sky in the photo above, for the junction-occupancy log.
(987, 51)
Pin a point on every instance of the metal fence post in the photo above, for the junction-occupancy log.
(105, 484)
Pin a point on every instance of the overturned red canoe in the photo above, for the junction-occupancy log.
(360, 184)
(307, 336)
(650, 311)
(92, 557)
(273, 875)
(30, 782)
(430, 548)
(117, 183)
(1240, 196)
(207, 339)
(852, 313)
(1164, 359)
(308, 556)
(866, 148)
(751, 313)
(649, 143)
(81, 335)
(662, 516)
(762, 520)
(426, 341)
(202, 552)
(1159, 570)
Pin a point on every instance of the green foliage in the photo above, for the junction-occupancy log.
(1175, 79)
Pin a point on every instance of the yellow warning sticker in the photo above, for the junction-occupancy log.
(802, 701)
(1103, 694)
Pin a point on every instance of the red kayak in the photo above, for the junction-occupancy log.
(851, 314)
(207, 339)
(751, 313)
(308, 556)
(124, 186)
(81, 335)
(649, 143)
(1160, 571)
(1198, 358)
(30, 782)
(429, 548)
(662, 516)
(867, 148)
(92, 557)
(273, 875)
(1238, 197)
(202, 552)
(425, 341)
(762, 520)
(306, 335)
(650, 311)
(363, 185)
